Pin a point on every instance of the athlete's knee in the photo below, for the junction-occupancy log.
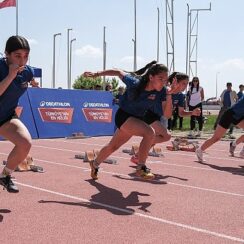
(149, 133)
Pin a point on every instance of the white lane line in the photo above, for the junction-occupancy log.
(130, 143)
(149, 161)
(169, 153)
(145, 216)
(130, 177)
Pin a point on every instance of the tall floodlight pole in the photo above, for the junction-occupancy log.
(170, 35)
(68, 65)
(134, 40)
(104, 54)
(158, 36)
(54, 38)
(70, 61)
(193, 40)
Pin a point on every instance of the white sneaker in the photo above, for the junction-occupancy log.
(199, 154)
(232, 149)
(242, 153)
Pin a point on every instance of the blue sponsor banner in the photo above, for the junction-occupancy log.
(24, 112)
(61, 112)
(96, 111)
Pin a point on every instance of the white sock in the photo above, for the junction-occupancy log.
(234, 143)
(6, 171)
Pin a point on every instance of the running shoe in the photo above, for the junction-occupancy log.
(199, 154)
(145, 173)
(94, 171)
(8, 184)
(232, 149)
(134, 159)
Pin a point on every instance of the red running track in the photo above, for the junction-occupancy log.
(188, 202)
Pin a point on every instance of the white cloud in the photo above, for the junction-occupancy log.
(89, 51)
(230, 64)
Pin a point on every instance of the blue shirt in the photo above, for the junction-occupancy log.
(178, 100)
(227, 101)
(136, 105)
(240, 95)
(238, 109)
(157, 108)
(9, 99)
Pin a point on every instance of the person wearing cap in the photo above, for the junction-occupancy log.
(14, 78)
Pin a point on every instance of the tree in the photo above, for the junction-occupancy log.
(87, 83)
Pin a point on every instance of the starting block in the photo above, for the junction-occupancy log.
(90, 156)
(27, 165)
(133, 151)
(156, 151)
(183, 144)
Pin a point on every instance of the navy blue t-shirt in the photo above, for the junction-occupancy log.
(227, 101)
(136, 106)
(178, 100)
(9, 99)
(238, 109)
(157, 108)
(240, 95)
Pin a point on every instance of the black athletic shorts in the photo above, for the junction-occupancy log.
(121, 116)
(13, 116)
(150, 117)
(228, 118)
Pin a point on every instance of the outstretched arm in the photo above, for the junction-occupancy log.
(183, 113)
(109, 72)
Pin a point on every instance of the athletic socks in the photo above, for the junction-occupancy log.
(6, 171)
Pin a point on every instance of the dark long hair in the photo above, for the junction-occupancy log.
(16, 42)
(179, 76)
(143, 74)
(192, 85)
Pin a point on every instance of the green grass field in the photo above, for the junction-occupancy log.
(208, 126)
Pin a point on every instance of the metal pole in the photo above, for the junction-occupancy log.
(70, 60)
(217, 85)
(17, 22)
(104, 54)
(54, 37)
(187, 37)
(193, 41)
(158, 37)
(170, 35)
(135, 58)
(68, 65)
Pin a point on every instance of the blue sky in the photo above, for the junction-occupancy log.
(220, 46)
